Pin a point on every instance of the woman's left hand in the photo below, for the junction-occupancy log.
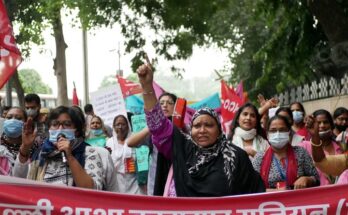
(302, 182)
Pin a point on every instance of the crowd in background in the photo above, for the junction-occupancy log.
(73, 147)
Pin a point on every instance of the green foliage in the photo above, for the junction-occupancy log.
(272, 44)
(32, 83)
(108, 81)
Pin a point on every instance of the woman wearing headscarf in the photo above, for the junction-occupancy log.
(284, 166)
(64, 158)
(327, 142)
(204, 162)
(124, 157)
(11, 139)
(97, 133)
(247, 132)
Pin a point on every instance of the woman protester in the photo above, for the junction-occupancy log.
(283, 166)
(286, 112)
(298, 114)
(64, 158)
(247, 132)
(97, 133)
(11, 139)
(340, 117)
(340, 132)
(327, 142)
(158, 165)
(124, 157)
(204, 162)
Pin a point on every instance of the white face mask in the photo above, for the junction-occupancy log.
(279, 139)
(245, 135)
(325, 134)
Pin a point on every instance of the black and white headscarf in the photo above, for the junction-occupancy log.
(206, 155)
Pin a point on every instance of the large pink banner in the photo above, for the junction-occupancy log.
(19, 197)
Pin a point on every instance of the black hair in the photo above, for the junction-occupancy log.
(80, 113)
(118, 116)
(32, 97)
(129, 116)
(288, 111)
(6, 107)
(235, 122)
(21, 109)
(327, 114)
(276, 117)
(75, 115)
(339, 111)
(88, 108)
(171, 95)
(301, 107)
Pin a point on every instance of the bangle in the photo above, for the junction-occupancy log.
(147, 93)
(23, 155)
(316, 145)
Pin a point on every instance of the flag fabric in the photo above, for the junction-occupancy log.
(240, 90)
(128, 88)
(212, 101)
(179, 113)
(134, 104)
(75, 99)
(10, 56)
(230, 104)
(158, 89)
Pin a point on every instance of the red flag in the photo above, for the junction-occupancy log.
(179, 113)
(10, 56)
(230, 104)
(75, 99)
(128, 88)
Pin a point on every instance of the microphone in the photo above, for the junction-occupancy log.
(61, 135)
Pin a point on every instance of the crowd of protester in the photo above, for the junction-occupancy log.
(262, 153)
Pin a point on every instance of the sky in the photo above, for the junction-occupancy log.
(103, 58)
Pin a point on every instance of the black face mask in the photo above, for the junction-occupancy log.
(341, 127)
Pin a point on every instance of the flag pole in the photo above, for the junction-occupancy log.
(85, 66)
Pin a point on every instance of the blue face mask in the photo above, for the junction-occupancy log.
(97, 132)
(13, 128)
(298, 116)
(66, 133)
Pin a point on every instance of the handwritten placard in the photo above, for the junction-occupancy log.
(108, 103)
(138, 122)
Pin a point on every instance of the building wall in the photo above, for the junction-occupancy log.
(329, 104)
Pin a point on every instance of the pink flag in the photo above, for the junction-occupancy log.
(240, 90)
(158, 89)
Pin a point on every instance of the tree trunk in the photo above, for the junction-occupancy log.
(60, 61)
(19, 89)
(334, 23)
(332, 19)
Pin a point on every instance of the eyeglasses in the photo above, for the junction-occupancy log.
(64, 124)
(166, 102)
(11, 116)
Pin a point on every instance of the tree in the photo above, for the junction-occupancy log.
(33, 17)
(32, 82)
(273, 44)
(108, 81)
